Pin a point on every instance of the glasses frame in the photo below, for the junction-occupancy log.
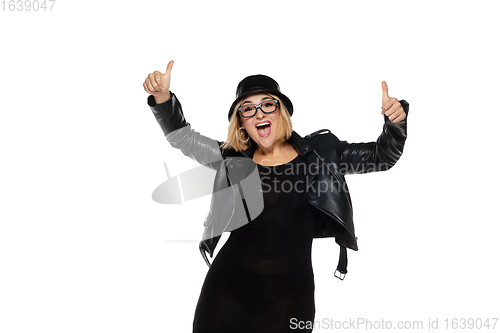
(259, 106)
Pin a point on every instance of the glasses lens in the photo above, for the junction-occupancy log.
(248, 111)
(269, 106)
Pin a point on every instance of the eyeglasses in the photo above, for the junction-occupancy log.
(267, 106)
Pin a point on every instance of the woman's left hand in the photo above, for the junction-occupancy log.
(391, 106)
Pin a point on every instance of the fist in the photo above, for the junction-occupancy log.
(158, 84)
(391, 106)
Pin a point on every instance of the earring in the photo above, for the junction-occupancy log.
(238, 133)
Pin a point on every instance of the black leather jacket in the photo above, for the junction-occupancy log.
(237, 196)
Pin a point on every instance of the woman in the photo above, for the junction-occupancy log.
(274, 191)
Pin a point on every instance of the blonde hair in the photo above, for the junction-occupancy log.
(284, 132)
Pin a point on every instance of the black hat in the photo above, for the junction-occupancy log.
(259, 83)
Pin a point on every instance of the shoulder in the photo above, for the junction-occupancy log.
(319, 132)
(229, 152)
(321, 135)
(326, 143)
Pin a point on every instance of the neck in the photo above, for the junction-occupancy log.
(275, 150)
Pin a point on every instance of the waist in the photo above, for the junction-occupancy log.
(265, 259)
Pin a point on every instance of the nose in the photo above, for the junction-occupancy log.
(259, 113)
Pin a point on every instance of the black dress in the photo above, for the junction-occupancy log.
(262, 278)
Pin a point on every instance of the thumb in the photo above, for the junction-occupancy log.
(169, 67)
(385, 91)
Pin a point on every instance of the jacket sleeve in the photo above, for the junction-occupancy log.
(180, 135)
(376, 156)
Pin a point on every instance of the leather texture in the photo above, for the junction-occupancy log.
(329, 159)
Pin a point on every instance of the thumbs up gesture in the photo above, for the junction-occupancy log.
(158, 84)
(391, 107)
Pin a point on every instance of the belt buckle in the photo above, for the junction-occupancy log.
(340, 275)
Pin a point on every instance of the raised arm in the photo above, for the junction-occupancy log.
(168, 113)
(386, 151)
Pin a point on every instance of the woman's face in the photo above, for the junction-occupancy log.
(265, 136)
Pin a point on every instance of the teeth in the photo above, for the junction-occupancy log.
(262, 124)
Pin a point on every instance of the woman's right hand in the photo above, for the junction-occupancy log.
(158, 84)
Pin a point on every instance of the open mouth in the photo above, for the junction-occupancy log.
(264, 129)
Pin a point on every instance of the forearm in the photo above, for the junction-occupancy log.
(391, 141)
(168, 114)
(180, 135)
(380, 155)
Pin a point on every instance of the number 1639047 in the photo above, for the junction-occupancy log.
(27, 5)
(470, 323)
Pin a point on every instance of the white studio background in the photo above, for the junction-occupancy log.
(84, 248)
